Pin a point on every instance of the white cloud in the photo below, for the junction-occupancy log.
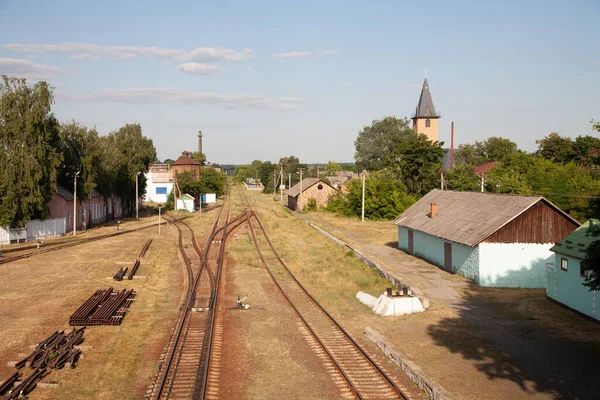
(301, 54)
(129, 52)
(84, 57)
(289, 100)
(328, 52)
(198, 68)
(26, 69)
(163, 95)
(292, 54)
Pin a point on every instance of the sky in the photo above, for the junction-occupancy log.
(269, 79)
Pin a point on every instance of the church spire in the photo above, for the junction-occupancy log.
(425, 117)
(425, 106)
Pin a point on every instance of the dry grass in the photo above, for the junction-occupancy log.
(37, 296)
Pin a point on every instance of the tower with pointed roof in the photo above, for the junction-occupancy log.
(425, 118)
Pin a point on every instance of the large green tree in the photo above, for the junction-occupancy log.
(29, 150)
(555, 147)
(492, 149)
(392, 145)
(123, 154)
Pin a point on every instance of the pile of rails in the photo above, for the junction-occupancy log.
(54, 352)
(105, 307)
(121, 272)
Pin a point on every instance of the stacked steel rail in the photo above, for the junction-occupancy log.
(54, 352)
(104, 307)
(364, 378)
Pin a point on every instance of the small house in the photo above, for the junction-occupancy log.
(566, 274)
(308, 189)
(185, 202)
(158, 183)
(492, 239)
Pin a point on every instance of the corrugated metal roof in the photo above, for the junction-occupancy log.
(306, 183)
(577, 242)
(467, 217)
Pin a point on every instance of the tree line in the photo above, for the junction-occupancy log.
(39, 153)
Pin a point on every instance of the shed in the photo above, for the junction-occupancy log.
(312, 188)
(493, 239)
(185, 202)
(208, 198)
(566, 274)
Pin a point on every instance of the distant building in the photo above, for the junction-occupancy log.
(567, 272)
(185, 164)
(253, 184)
(98, 208)
(312, 188)
(493, 239)
(158, 183)
(425, 118)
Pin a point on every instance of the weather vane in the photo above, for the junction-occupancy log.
(425, 70)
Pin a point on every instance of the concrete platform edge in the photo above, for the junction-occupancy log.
(370, 263)
(429, 386)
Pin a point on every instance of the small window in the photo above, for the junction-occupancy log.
(161, 190)
(427, 123)
(583, 270)
(320, 187)
(564, 264)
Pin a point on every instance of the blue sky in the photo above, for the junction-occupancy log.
(268, 79)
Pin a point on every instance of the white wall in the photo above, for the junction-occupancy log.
(514, 264)
(151, 195)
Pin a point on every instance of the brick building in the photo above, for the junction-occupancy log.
(183, 164)
(312, 188)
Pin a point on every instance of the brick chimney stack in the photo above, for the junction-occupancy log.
(433, 211)
(200, 141)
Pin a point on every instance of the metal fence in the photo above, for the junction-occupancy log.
(34, 230)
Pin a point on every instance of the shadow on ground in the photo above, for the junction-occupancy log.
(557, 354)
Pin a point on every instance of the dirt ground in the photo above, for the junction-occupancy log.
(38, 294)
(481, 342)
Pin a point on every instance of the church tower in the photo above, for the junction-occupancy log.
(425, 119)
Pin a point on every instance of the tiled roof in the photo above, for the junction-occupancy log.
(577, 242)
(306, 183)
(184, 159)
(467, 217)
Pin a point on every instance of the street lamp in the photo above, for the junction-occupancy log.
(75, 204)
(137, 199)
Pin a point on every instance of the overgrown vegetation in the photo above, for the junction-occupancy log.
(39, 153)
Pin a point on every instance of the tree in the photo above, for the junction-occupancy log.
(385, 197)
(200, 157)
(462, 178)
(291, 165)
(492, 149)
(169, 161)
(555, 147)
(79, 148)
(29, 142)
(332, 168)
(391, 144)
(123, 154)
(212, 181)
(375, 142)
(586, 150)
(592, 255)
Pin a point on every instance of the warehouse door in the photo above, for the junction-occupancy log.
(410, 241)
(448, 257)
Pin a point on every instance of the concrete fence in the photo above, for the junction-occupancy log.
(34, 230)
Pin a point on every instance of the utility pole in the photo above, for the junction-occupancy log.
(318, 167)
(442, 180)
(274, 184)
(363, 197)
(482, 181)
(300, 169)
(75, 204)
(281, 184)
(289, 181)
(137, 198)
(159, 219)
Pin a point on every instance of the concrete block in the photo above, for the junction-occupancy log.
(434, 390)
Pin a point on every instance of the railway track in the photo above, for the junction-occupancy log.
(190, 367)
(72, 243)
(355, 372)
